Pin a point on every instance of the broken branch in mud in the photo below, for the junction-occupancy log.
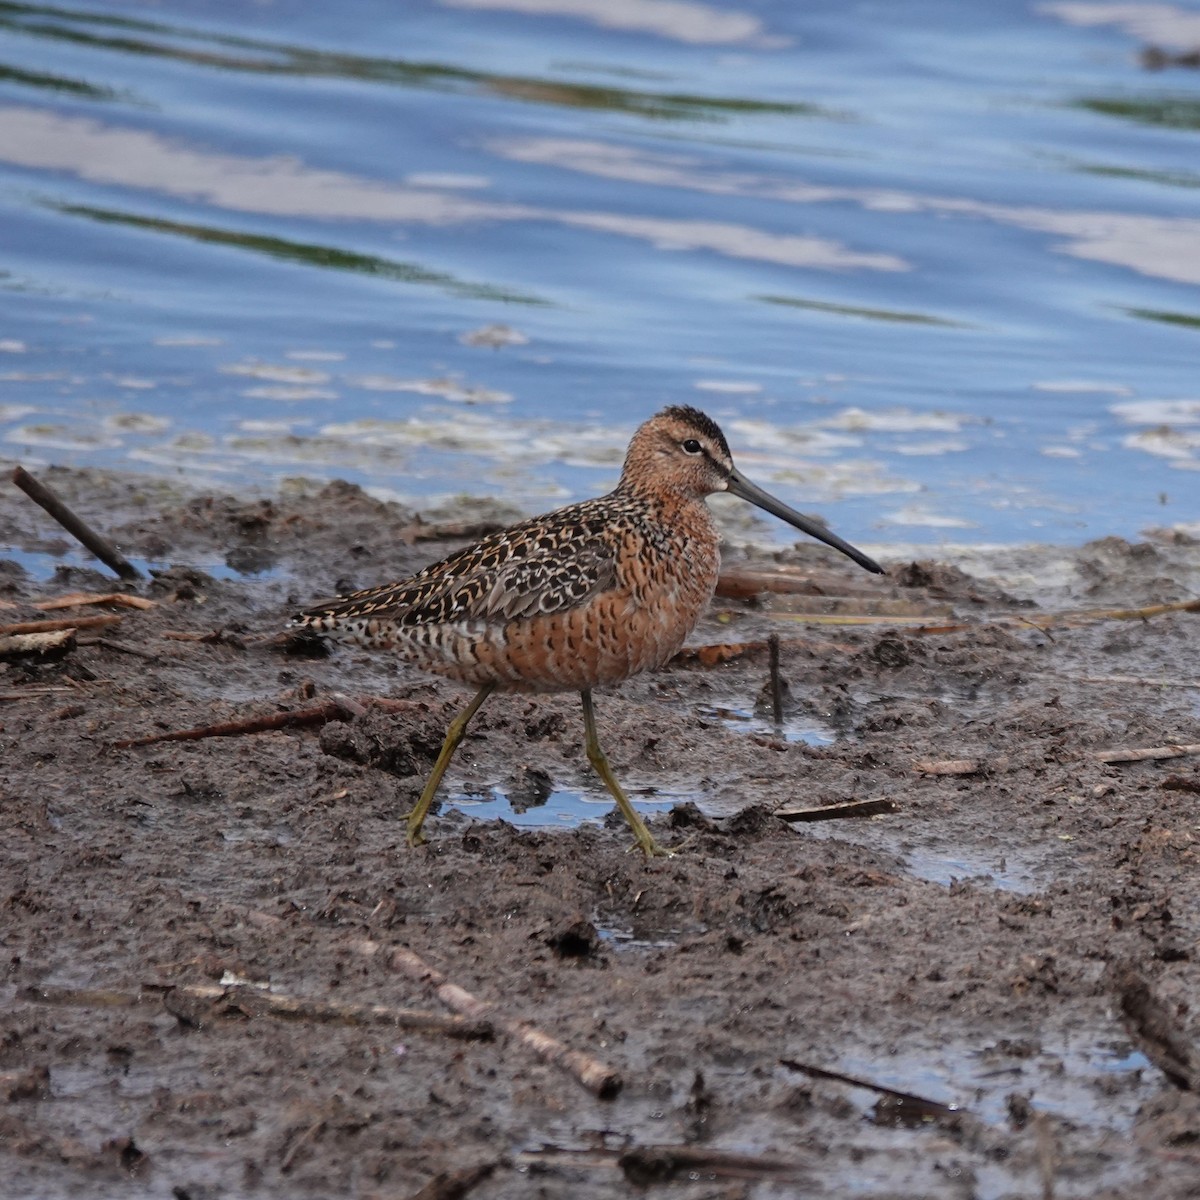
(101, 547)
(599, 1079)
(330, 710)
(120, 647)
(643, 1165)
(657, 1164)
(1154, 1029)
(1147, 753)
(78, 599)
(338, 708)
(903, 1106)
(231, 999)
(1134, 681)
(712, 655)
(833, 812)
(29, 693)
(454, 1185)
(59, 623)
(48, 645)
(744, 583)
(776, 680)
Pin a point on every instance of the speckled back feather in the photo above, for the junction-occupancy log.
(540, 566)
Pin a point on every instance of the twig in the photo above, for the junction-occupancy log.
(101, 547)
(44, 645)
(921, 1105)
(949, 766)
(743, 583)
(257, 1002)
(922, 624)
(122, 647)
(59, 623)
(656, 1164)
(418, 531)
(601, 1080)
(832, 812)
(1139, 614)
(1146, 753)
(454, 1185)
(29, 693)
(1155, 1030)
(76, 599)
(711, 656)
(1135, 681)
(776, 682)
(644, 1165)
(313, 1131)
(328, 711)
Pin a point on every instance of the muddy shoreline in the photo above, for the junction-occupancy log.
(1017, 939)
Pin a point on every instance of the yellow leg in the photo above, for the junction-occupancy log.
(598, 760)
(454, 735)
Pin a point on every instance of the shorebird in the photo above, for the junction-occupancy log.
(580, 598)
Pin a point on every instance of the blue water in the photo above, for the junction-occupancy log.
(933, 264)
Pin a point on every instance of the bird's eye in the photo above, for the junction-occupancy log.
(691, 446)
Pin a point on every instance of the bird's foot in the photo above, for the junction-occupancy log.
(414, 836)
(651, 849)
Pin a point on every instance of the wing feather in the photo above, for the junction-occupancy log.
(504, 577)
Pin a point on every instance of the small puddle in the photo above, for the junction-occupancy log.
(563, 808)
(744, 720)
(1006, 872)
(41, 565)
(628, 938)
(1091, 1081)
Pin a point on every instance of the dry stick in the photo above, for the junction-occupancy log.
(1135, 681)
(601, 1080)
(256, 1002)
(933, 1108)
(1154, 1027)
(719, 652)
(1146, 753)
(77, 599)
(101, 547)
(338, 708)
(644, 1165)
(656, 1164)
(328, 711)
(832, 812)
(30, 693)
(313, 1131)
(50, 626)
(776, 682)
(1140, 614)
(454, 1185)
(122, 647)
(26, 645)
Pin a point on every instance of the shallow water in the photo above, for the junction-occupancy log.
(933, 264)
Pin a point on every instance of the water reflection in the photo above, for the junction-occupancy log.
(257, 56)
(285, 187)
(683, 20)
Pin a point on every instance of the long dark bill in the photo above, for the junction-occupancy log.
(739, 485)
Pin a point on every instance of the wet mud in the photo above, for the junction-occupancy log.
(987, 989)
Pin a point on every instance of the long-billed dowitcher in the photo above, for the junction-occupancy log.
(584, 596)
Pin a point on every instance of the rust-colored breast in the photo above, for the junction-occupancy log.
(642, 575)
(664, 578)
(611, 588)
